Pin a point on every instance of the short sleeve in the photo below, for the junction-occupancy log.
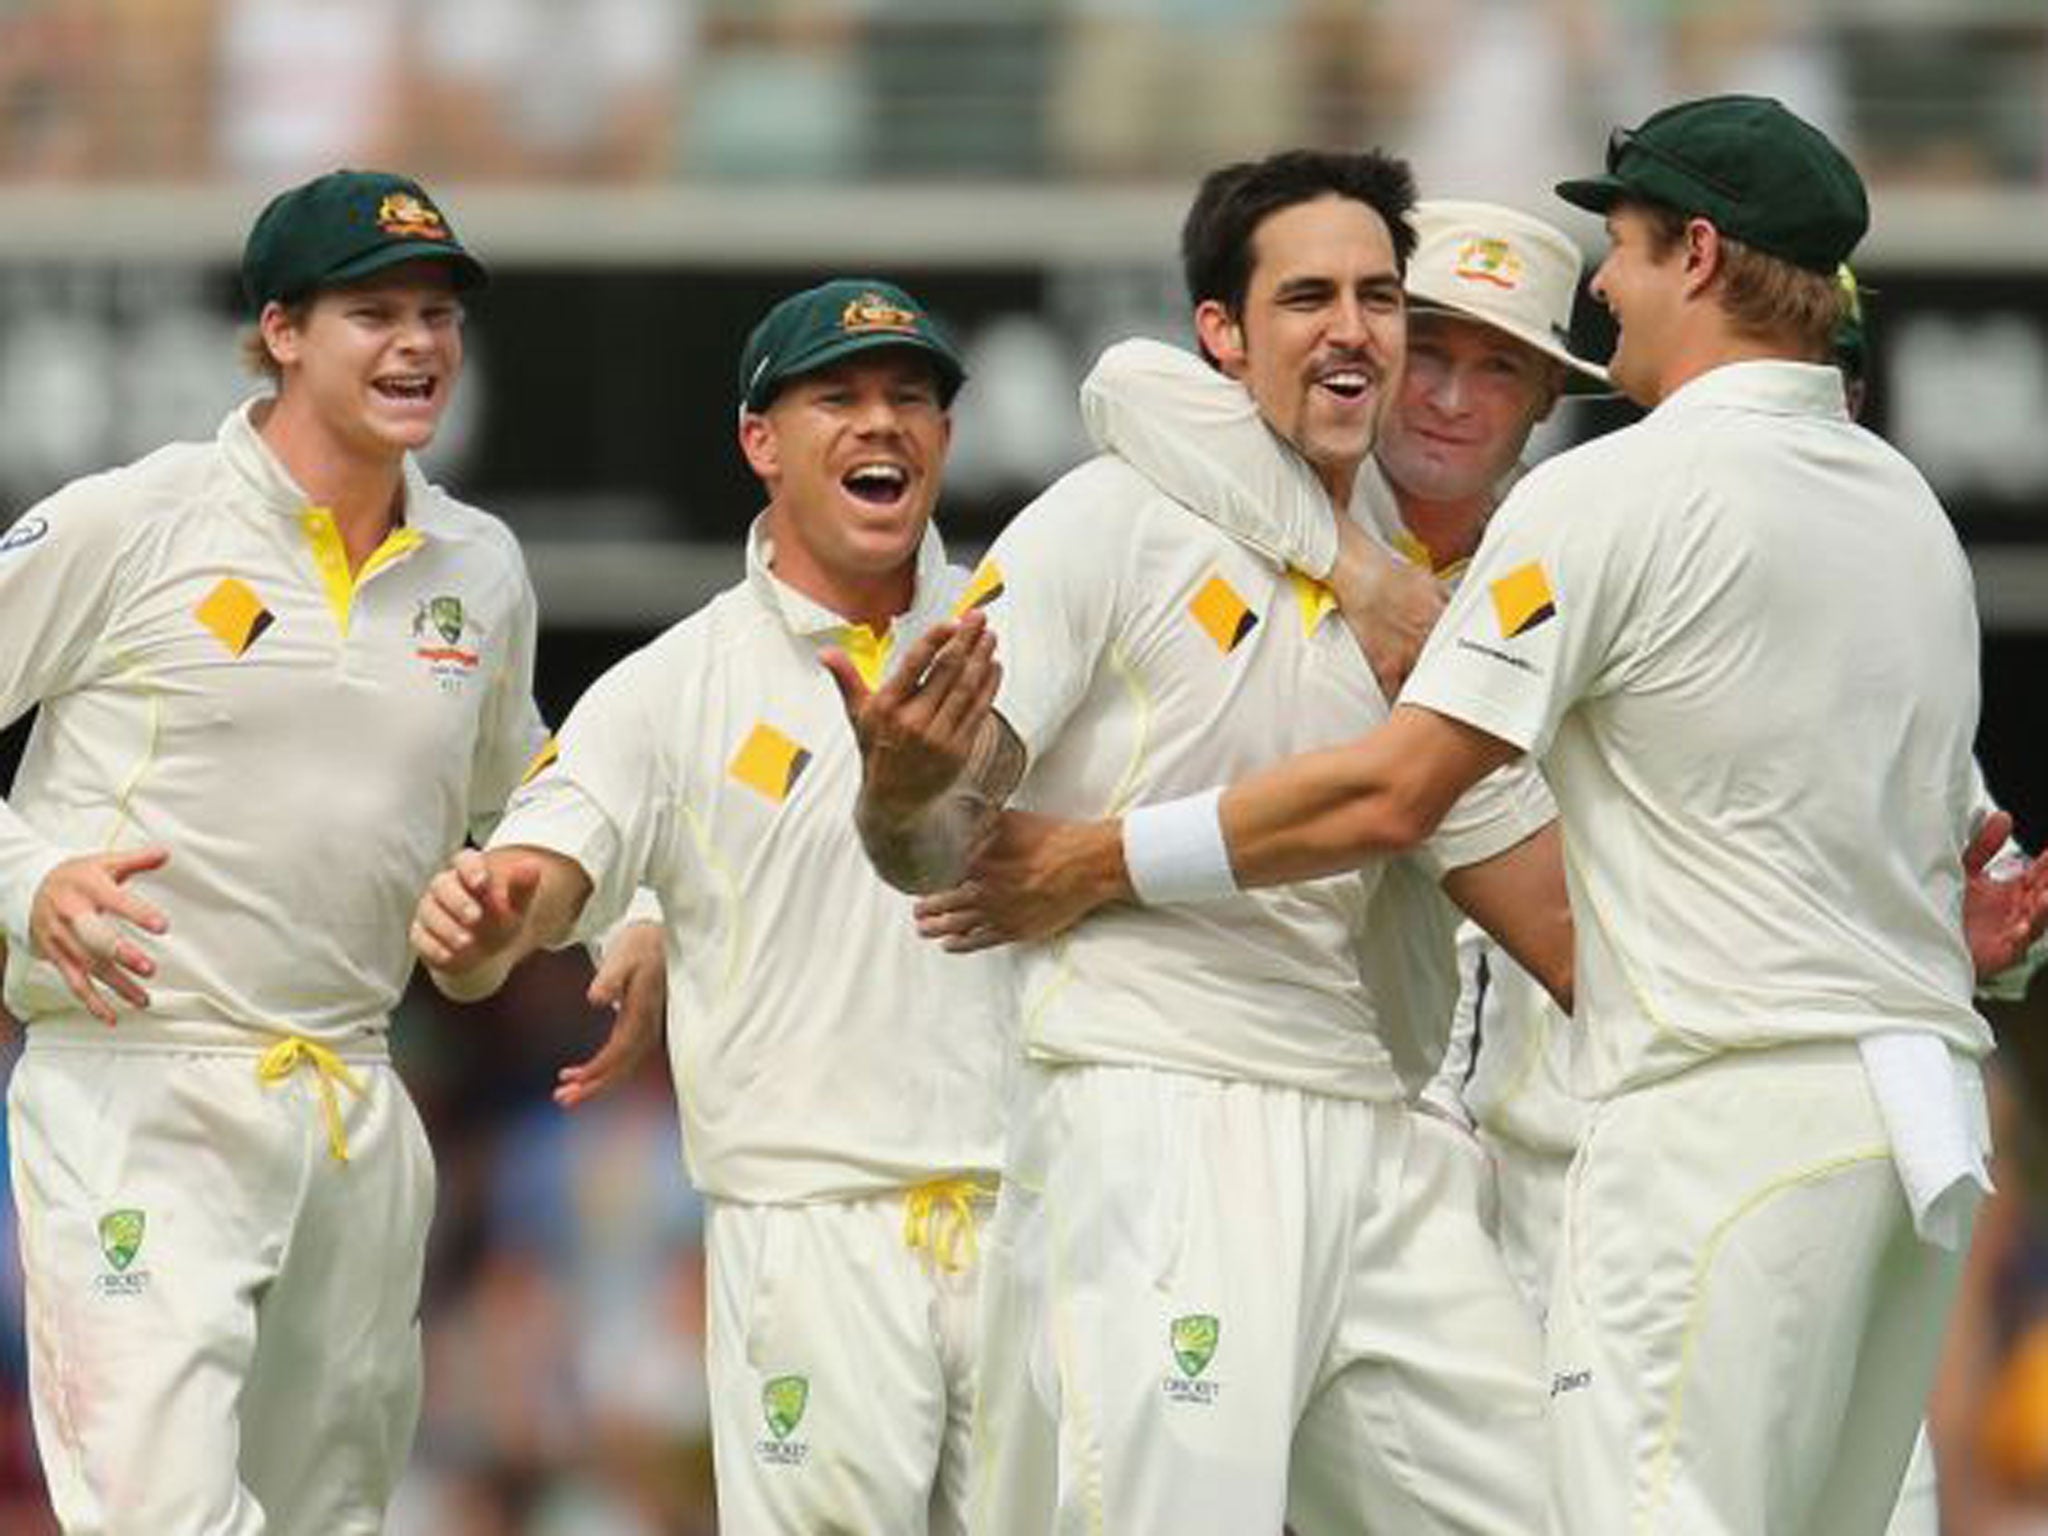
(1051, 587)
(59, 574)
(512, 741)
(596, 798)
(1508, 806)
(1536, 624)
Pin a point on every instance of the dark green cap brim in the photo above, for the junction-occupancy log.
(951, 374)
(467, 271)
(1595, 194)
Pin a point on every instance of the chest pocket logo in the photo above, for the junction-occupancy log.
(457, 654)
(769, 763)
(1224, 616)
(234, 615)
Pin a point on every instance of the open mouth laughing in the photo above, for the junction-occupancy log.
(407, 388)
(1349, 382)
(877, 482)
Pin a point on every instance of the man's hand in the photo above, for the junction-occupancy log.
(1389, 605)
(473, 915)
(917, 731)
(1030, 877)
(633, 984)
(2003, 913)
(72, 924)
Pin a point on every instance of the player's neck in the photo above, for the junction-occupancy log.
(858, 598)
(364, 491)
(1714, 344)
(1449, 530)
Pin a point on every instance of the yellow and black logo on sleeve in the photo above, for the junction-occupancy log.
(234, 614)
(983, 588)
(769, 763)
(1522, 599)
(1222, 614)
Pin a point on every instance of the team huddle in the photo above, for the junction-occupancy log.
(1334, 982)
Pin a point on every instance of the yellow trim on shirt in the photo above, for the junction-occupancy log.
(1415, 552)
(1315, 598)
(330, 558)
(868, 651)
(549, 754)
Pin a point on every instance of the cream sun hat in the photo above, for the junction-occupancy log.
(1506, 269)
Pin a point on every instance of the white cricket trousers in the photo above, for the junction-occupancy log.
(1212, 1306)
(222, 1317)
(1528, 1208)
(841, 1361)
(1531, 1185)
(1743, 1323)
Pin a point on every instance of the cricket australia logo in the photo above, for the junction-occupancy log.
(441, 626)
(120, 1235)
(783, 1401)
(1193, 1341)
(403, 216)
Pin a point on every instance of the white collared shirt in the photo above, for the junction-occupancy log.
(1146, 655)
(1741, 637)
(821, 1050)
(309, 746)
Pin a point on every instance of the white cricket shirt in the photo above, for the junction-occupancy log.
(310, 747)
(821, 1050)
(1147, 655)
(1741, 636)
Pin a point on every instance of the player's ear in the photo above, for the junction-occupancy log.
(1221, 334)
(757, 442)
(279, 327)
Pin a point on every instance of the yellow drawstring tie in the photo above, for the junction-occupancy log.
(939, 1218)
(294, 1051)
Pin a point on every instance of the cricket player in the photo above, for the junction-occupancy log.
(1740, 637)
(1235, 1279)
(1490, 292)
(840, 1081)
(281, 675)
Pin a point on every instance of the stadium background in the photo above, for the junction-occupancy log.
(644, 176)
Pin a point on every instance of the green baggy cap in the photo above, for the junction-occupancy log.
(345, 225)
(821, 325)
(1759, 173)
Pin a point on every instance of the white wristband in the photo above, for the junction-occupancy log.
(1175, 851)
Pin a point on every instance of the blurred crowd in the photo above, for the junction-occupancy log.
(1477, 92)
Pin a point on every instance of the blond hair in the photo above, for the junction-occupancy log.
(255, 351)
(1765, 297)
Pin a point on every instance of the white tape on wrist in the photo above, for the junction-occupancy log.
(1175, 851)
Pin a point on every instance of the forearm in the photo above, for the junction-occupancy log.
(922, 845)
(1321, 813)
(1296, 821)
(924, 850)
